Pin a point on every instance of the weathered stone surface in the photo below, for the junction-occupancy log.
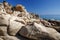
(15, 26)
(51, 32)
(54, 24)
(38, 31)
(26, 32)
(9, 38)
(45, 23)
(16, 13)
(1, 39)
(4, 19)
(3, 31)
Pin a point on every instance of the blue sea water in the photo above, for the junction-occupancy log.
(56, 17)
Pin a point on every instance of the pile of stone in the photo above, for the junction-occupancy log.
(17, 24)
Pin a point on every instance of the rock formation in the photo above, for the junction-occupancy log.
(18, 24)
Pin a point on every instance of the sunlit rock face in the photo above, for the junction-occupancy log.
(18, 24)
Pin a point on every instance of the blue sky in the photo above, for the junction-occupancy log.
(40, 7)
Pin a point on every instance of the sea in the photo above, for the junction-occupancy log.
(56, 17)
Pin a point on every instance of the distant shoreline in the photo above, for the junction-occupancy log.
(55, 17)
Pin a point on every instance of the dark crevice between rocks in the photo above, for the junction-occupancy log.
(8, 29)
(3, 25)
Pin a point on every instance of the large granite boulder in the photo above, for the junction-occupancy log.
(51, 32)
(38, 31)
(15, 26)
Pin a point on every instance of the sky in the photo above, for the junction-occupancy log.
(40, 7)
